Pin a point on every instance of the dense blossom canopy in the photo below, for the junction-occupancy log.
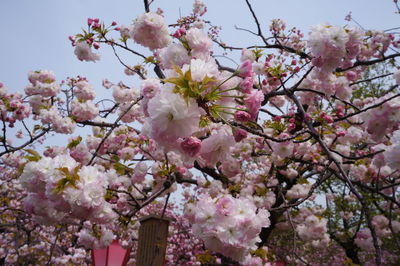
(293, 155)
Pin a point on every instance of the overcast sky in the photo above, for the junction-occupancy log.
(34, 33)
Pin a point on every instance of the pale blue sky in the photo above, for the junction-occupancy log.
(34, 33)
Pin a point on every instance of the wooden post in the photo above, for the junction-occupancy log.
(153, 235)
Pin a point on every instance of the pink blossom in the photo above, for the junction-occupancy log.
(247, 84)
(122, 93)
(130, 113)
(84, 91)
(60, 124)
(199, 8)
(225, 206)
(298, 191)
(215, 148)
(227, 225)
(84, 110)
(173, 55)
(42, 76)
(230, 167)
(140, 172)
(199, 42)
(42, 83)
(246, 69)
(239, 134)
(84, 53)
(253, 102)
(151, 31)
(200, 69)
(191, 146)
(171, 117)
(150, 87)
(247, 55)
(242, 116)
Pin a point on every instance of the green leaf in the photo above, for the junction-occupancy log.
(213, 95)
(233, 189)
(35, 157)
(261, 191)
(150, 59)
(122, 169)
(204, 258)
(74, 143)
(262, 253)
(68, 180)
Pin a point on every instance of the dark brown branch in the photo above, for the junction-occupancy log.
(125, 65)
(26, 143)
(112, 128)
(366, 109)
(96, 124)
(211, 172)
(268, 46)
(121, 46)
(370, 79)
(259, 33)
(368, 63)
(146, 6)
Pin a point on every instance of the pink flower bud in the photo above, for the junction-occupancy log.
(239, 134)
(328, 119)
(307, 117)
(96, 25)
(113, 23)
(351, 75)
(242, 116)
(96, 45)
(89, 21)
(179, 32)
(191, 146)
(341, 133)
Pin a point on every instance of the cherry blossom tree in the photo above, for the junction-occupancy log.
(293, 155)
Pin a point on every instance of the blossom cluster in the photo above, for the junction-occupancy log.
(60, 190)
(12, 107)
(226, 224)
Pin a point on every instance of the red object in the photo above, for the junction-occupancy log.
(113, 255)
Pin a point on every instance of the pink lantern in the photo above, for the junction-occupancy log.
(113, 255)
